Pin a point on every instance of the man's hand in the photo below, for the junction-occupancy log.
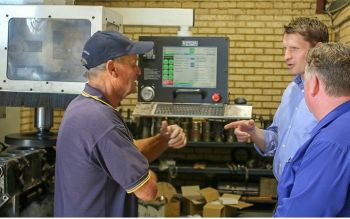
(174, 134)
(243, 129)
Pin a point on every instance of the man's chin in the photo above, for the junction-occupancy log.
(295, 72)
(134, 90)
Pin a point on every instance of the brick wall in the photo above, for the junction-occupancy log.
(341, 25)
(256, 67)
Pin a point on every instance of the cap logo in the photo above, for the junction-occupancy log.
(83, 62)
(128, 47)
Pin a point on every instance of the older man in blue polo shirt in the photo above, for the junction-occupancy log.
(100, 170)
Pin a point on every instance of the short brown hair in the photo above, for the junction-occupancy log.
(312, 29)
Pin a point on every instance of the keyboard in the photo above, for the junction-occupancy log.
(194, 110)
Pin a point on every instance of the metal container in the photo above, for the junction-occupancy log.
(186, 127)
(230, 136)
(196, 131)
(206, 131)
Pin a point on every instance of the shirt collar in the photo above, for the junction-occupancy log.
(338, 111)
(299, 82)
(95, 94)
(93, 91)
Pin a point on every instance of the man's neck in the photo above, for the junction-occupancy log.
(328, 104)
(106, 91)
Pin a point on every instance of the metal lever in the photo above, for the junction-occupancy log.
(189, 91)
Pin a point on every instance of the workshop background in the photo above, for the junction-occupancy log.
(257, 70)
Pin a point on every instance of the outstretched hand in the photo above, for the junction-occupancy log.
(243, 129)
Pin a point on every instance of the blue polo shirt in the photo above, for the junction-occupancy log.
(97, 165)
(315, 182)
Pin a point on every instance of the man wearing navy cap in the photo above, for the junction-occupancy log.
(100, 170)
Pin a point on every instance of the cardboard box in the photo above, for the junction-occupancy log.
(224, 206)
(207, 202)
(268, 187)
(216, 209)
(193, 200)
(166, 203)
(229, 199)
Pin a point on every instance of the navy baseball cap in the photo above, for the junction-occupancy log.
(107, 45)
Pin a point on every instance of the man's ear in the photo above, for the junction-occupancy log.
(112, 68)
(314, 84)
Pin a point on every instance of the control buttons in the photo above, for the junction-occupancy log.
(216, 97)
(147, 93)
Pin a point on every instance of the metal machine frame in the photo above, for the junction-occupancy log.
(100, 17)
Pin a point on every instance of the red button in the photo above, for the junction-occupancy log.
(216, 97)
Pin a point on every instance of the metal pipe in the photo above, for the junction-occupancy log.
(43, 119)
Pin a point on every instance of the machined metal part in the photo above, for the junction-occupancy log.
(43, 118)
(21, 168)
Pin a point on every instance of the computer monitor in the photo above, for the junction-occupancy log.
(184, 70)
(189, 67)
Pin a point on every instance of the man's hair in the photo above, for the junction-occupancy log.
(93, 72)
(312, 29)
(331, 62)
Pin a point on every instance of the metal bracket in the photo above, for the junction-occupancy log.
(3, 199)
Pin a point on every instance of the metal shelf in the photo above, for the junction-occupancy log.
(215, 170)
(219, 144)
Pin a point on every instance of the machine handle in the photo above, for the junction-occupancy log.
(189, 91)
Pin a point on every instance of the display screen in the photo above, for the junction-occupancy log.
(184, 69)
(189, 67)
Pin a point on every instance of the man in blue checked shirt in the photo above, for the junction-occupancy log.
(293, 121)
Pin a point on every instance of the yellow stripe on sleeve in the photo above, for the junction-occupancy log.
(140, 184)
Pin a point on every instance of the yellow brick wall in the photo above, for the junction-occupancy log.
(28, 119)
(256, 67)
(341, 23)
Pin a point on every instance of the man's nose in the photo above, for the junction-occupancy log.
(287, 54)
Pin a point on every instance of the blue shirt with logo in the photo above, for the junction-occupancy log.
(96, 162)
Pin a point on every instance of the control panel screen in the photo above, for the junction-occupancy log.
(189, 67)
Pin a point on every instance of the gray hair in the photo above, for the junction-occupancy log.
(93, 72)
(331, 62)
(312, 29)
